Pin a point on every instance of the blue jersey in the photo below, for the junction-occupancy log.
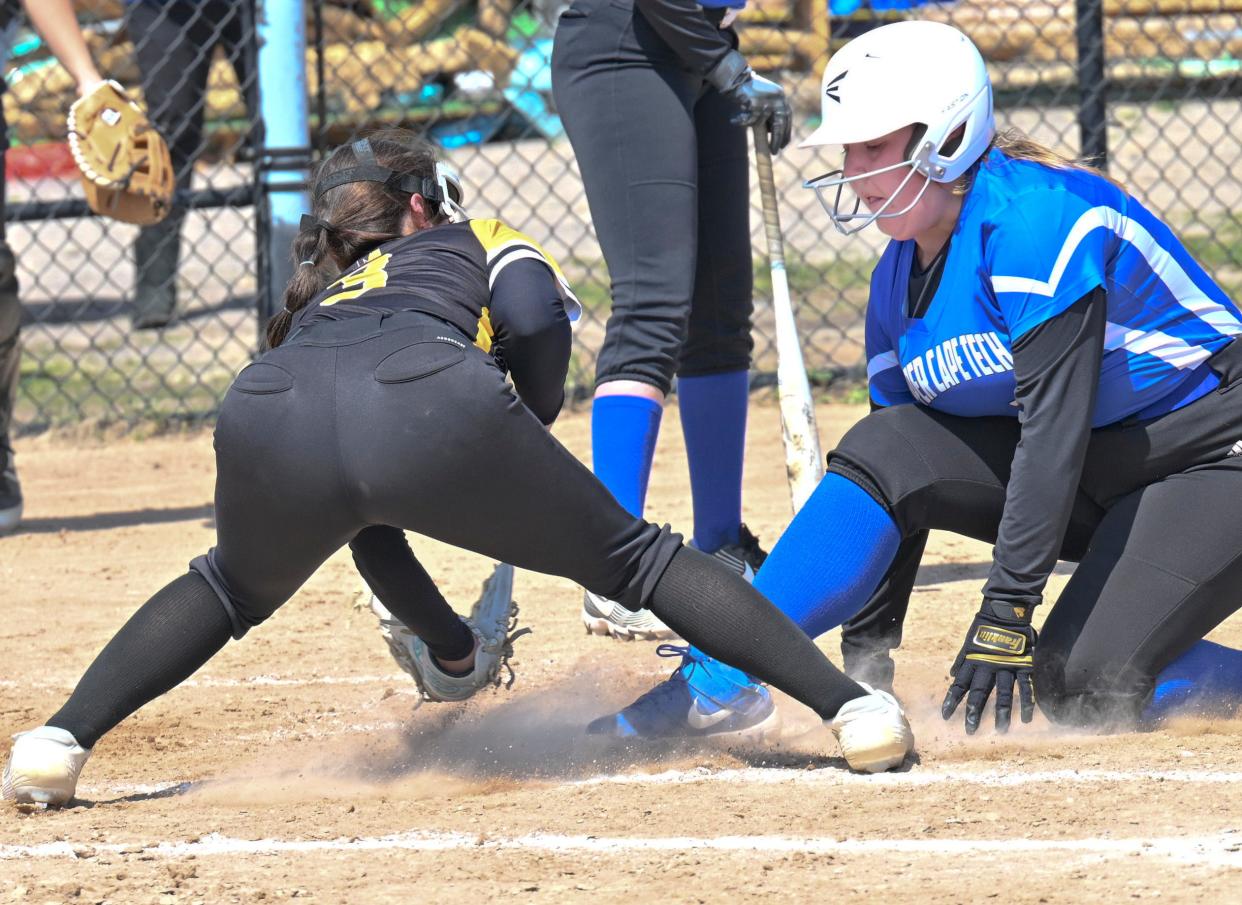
(1032, 240)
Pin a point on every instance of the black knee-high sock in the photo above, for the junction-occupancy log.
(389, 567)
(718, 612)
(171, 636)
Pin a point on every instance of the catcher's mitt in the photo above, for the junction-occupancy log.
(126, 170)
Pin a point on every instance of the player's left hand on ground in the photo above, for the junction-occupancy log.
(997, 654)
(126, 170)
(758, 100)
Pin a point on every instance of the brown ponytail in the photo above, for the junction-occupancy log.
(350, 219)
(316, 269)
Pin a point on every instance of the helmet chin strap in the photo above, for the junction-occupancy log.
(919, 164)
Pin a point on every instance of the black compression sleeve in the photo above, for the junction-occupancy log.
(174, 633)
(389, 567)
(684, 28)
(719, 612)
(1057, 368)
(533, 333)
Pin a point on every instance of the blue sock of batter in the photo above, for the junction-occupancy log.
(831, 558)
(623, 438)
(713, 419)
(1205, 679)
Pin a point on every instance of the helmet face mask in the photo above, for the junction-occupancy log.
(907, 73)
(918, 164)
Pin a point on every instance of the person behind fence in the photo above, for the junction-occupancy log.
(56, 23)
(655, 98)
(174, 44)
(381, 405)
(1053, 373)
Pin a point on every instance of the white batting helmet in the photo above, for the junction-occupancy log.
(906, 73)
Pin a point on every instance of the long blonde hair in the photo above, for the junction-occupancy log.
(1017, 146)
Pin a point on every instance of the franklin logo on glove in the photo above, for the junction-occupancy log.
(990, 637)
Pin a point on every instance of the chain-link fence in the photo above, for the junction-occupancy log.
(1148, 86)
(122, 323)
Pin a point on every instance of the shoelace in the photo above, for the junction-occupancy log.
(506, 649)
(685, 672)
(653, 700)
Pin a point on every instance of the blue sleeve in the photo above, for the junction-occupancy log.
(885, 381)
(1047, 250)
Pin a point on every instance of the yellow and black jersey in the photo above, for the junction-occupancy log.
(448, 271)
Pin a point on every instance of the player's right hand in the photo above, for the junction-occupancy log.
(756, 99)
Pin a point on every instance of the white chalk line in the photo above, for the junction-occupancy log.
(206, 682)
(67, 683)
(828, 777)
(914, 777)
(1223, 850)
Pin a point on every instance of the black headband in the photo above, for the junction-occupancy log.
(310, 222)
(369, 170)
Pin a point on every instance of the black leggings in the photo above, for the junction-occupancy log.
(400, 422)
(351, 423)
(667, 180)
(1157, 530)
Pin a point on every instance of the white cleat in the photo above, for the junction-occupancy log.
(43, 767)
(491, 621)
(602, 616)
(873, 732)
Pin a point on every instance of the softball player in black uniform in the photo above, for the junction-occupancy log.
(382, 406)
(655, 97)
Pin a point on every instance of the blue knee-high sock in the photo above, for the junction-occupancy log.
(623, 438)
(713, 419)
(825, 566)
(1205, 679)
(831, 558)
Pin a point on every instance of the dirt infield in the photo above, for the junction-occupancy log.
(295, 765)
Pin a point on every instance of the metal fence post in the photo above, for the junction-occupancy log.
(1093, 91)
(284, 153)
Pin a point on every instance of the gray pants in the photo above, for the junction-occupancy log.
(666, 176)
(10, 341)
(174, 41)
(10, 324)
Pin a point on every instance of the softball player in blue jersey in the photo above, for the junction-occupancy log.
(1051, 371)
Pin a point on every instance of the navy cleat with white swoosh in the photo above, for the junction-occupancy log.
(703, 697)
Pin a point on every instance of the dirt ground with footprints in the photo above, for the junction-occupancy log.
(297, 764)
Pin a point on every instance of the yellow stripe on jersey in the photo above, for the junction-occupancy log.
(373, 274)
(503, 245)
(483, 339)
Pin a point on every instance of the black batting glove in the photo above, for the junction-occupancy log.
(997, 653)
(755, 99)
